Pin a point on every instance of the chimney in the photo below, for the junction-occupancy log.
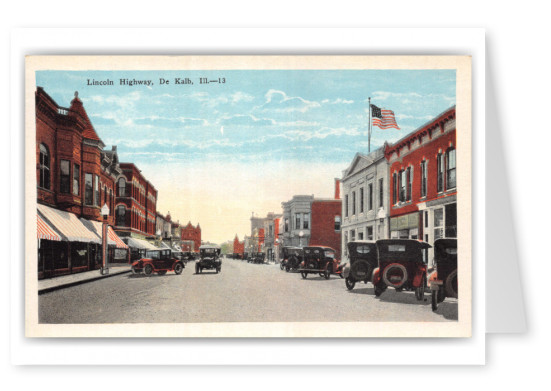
(337, 189)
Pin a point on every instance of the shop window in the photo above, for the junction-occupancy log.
(76, 179)
(450, 174)
(438, 223)
(337, 223)
(44, 167)
(79, 254)
(64, 176)
(88, 189)
(369, 233)
(352, 235)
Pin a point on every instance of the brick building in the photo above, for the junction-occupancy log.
(136, 204)
(75, 178)
(423, 192)
(193, 234)
(238, 247)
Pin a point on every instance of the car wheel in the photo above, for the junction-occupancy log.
(133, 269)
(287, 268)
(441, 295)
(349, 283)
(420, 291)
(393, 271)
(327, 274)
(148, 269)
(281, 266)
(304, 274)
(434, 300)
(451, 284)
(178, 268)
(196, 269)
(379, 289)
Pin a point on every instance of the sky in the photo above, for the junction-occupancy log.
(219, 151)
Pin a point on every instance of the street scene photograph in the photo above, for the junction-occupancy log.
(205, 195)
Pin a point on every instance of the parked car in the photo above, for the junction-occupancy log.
(320, 260)
(292, 257)
(209, 258)
(157, 261)
(257, 258)
(362, 257)
(443, 281)
(402, 265)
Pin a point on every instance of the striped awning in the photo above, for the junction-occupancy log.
(139, 243)
(115, 238)
(68, 224)
(44, 231)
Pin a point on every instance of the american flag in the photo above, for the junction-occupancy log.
(382, 118)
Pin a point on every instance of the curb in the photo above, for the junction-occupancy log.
(70, 284)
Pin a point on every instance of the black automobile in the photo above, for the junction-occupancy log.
(362, 257)
(292, 257)
(443, 281)
(320, 260)
(209, 258)
(257, 258)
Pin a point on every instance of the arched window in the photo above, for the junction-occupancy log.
(122, 187)
(44, 164)
(120, 217)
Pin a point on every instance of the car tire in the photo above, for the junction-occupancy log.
(281, 266)
(357, 267)
(304, 274)
(391, 267)
(420, 291)
(178, 268)
(196, 269)
(327, 274)
(451, 285)
(349, 283)
(148, 270)
(434, 301)
(287, 268)
(379, 289)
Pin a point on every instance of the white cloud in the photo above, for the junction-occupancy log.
(279, 101)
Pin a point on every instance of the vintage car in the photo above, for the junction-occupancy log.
(157, 261)
(443, 281)
(402, 265)
(209, 258)
(320, 260)
(362, 257)
(292, 257)
(257, 258)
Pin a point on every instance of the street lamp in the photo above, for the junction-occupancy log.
(104, 254)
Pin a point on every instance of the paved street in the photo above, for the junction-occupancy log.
(242, 292)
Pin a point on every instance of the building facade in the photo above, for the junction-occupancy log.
(365, 206)
(423, 187)
(136, 204)
(193, 234)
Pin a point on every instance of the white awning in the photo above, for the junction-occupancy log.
(139, 243)
(68, 224)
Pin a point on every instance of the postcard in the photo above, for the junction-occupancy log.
(248, 196)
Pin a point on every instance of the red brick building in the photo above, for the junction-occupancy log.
(136, 204)
(238, 247)
(189, 232)
(323, 231)
(423, 191)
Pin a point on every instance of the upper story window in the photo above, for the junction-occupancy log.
(346, 205)
(337, 223)
(394, 188)
(76, 179)
(409, 178)
(381, 192)
(361, 199)
(353, 203)
(88, 189)
(286, 224)
(306, 221)
(450, 175)
(96, 190)
(64, 176)
(403, 182)
(297, 221)
(122, 187)
(424, 178)
(440, 173)
(44, 166)
(120, 216)
(370, 196)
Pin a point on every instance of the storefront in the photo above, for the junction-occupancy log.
(405, 227)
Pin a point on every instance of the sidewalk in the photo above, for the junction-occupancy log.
(52, 284)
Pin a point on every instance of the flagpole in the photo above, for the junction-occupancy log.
(369, 131)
